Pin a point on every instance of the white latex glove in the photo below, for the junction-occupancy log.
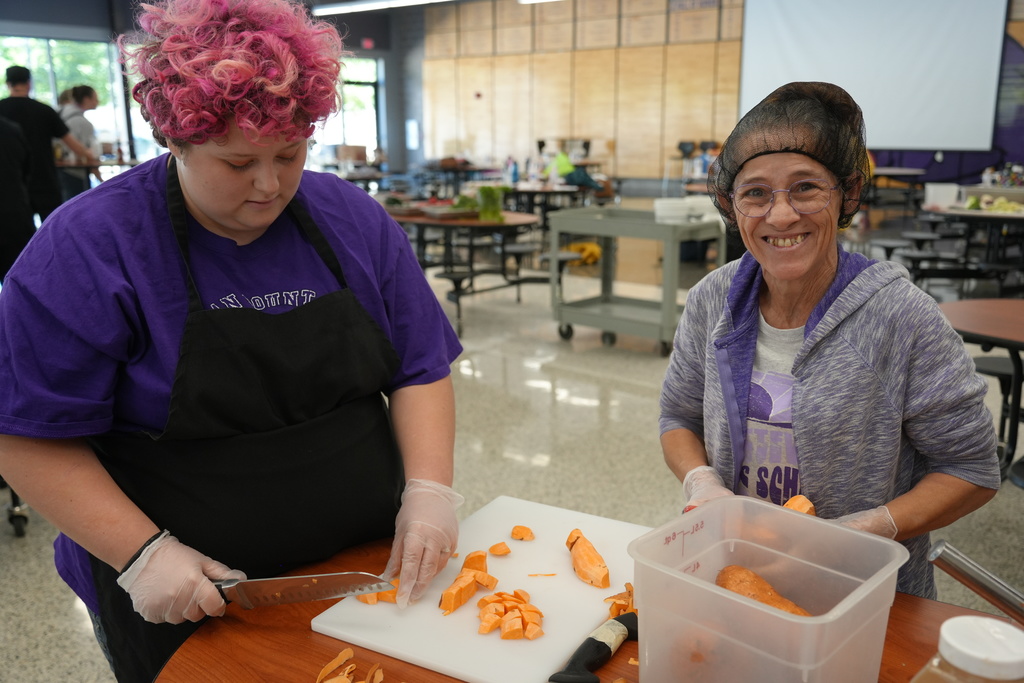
(876, 521)
(170, 582)
(426, 535)
(701, 484)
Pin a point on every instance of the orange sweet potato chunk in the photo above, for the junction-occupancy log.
(500, 549)
(586, 561)
(800, 503)
(512, 626)
(475, 560)
(522, 533)
(456, 595)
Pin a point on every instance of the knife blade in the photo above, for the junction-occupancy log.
(282, 590)
(597, 649)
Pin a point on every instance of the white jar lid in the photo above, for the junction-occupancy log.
(983, 646)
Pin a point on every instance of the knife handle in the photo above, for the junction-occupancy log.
(597, 649)
(226, 588)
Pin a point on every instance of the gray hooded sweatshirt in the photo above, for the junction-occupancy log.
(884, 391)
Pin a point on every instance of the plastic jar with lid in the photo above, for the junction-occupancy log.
(976, 650)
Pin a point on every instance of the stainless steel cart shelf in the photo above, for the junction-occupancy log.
(618, 314)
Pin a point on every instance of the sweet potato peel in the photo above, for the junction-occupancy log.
(621, 602)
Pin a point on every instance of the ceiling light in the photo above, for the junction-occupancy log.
(368, 6)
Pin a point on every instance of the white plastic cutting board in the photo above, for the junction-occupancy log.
(421, 634)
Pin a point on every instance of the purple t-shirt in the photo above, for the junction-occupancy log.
(92, 313)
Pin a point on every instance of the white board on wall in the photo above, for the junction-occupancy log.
(925, 72)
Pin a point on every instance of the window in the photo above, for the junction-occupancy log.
(60, 64)
(357, 123)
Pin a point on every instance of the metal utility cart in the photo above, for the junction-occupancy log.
(607, 311)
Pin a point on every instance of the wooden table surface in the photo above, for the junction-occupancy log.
(512, 219)
(1000, 321)
(277, 643)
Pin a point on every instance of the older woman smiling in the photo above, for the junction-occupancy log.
(801, 368)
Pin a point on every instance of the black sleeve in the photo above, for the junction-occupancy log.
(55, 123)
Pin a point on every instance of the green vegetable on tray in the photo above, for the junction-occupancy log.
(464, 202)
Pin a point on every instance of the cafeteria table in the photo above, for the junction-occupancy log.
(476, 233)
(902, 174)
(996, 323)
(276, 643)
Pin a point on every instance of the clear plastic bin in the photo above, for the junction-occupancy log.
(692, 630)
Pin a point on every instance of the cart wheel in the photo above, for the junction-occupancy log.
(565, 331)
(608, 338)
(18, 522)
(665, 349)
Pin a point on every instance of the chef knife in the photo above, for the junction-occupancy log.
(597, 649)
(281, 590)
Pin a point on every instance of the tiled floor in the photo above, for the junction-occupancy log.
(568, 423)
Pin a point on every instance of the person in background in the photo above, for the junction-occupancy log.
(40, 124)
(228, 366)
(16, 224)
(72, 105)
(804, 369)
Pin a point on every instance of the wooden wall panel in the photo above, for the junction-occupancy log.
(513, 132)
(640, 96)
(727, 89)
(475, 79)
(552, 90)
(511, 13)
(554, 12)
(562, 70)
(593, 104)
(476, 15)
(689, 95)
(513, 40)
(597, 9)
(476, 43)
(441, 45)
(440, 113)
(443, 18)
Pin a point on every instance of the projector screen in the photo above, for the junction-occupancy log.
(925, 72)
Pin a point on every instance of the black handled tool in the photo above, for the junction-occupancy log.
(597, 649)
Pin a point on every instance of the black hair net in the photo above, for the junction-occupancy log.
(819, 120)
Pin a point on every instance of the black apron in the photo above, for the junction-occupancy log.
(277, 451)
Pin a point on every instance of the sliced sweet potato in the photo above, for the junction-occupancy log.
(749, 583)
(489, 622)
(522, 533)
(499, 549)
(475, 560)
(800, 503)
(512, 613)
(463, 588)
(512, 626)
(586, 561)
(458, 593)
(382, 596)
(484, 579)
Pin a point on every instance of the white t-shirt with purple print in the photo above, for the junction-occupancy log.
(771, 469)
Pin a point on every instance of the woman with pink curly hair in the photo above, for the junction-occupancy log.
(217, 330)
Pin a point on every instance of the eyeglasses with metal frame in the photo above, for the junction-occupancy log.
(806, 196)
